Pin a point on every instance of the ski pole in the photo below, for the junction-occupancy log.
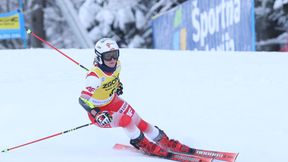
(53, 47)
(44, 138)
(60, 133)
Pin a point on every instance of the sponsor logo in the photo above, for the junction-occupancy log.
(111, 83)
(130, 112)
(183, 157)
(100, 102)
(123, 107)
(210, 154)
(108, 45)
(219, 18)
(11, 22)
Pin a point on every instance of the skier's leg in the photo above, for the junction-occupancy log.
(126, 117)
(147, 128)
(159, 136)
(170, 144)
(138, 140)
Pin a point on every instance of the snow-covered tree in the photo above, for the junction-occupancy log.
(127, 21)
(271, 24)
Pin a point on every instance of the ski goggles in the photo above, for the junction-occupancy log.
(107, 56)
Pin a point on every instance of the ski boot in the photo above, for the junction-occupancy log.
(148, 147)
(171, 145)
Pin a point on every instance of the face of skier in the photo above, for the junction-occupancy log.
(110, 58)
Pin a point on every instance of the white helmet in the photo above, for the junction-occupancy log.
(102, 46)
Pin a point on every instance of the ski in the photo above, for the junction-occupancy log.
(218, 155)
(174, 156)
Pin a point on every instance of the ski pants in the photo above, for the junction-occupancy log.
(123, 115)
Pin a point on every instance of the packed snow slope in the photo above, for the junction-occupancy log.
(226, 101)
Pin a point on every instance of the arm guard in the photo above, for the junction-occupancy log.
(88, 106)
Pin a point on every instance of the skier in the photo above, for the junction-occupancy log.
(100, 98)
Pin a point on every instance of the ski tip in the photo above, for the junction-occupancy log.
(117, 146)
(237, 154)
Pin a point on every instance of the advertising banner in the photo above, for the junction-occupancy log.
(221, 25)
(12, 25)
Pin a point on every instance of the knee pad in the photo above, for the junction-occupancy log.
(125, 121)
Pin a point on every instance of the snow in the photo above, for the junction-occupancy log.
(86, 11)
(279, 3)
(233, 101)
(127, 16)
(140, 19)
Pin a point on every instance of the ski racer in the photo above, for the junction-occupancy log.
(100, 98)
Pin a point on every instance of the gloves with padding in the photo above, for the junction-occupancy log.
(103, 118)
(119, 90)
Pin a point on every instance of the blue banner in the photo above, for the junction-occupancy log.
(12, 26)
(221, 25)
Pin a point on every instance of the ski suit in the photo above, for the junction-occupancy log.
(99, 92)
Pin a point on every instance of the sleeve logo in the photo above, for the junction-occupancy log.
(90, 89)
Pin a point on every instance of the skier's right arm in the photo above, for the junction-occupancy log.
(92, 83)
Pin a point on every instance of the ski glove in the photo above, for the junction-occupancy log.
(119, 90)
(103, 118)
